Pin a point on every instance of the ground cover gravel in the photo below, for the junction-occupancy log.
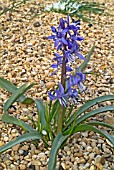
(25, 56)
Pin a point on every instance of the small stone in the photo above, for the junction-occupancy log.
(78, 154)
(89, 148)
(43, 168)
(6, 138)
(75, 167)
(21, 151)
(68, 152)
(100, 141)
(16, 147)
(22, 167)
(16, 157)
(13, 167)
(50, 85)
(37, 167)
(1, 167)
(85, 134)
(106, 150)
(82, 161)
(1, 143)
(93, 144)
(100, 159)
(36, 162)
(92, 167)
(66, 148)
(109, 143)
(63, 165)
(109, 119)
(91, 156)
(7, 162)
(42, 156)
(37, 24)
(99, 166)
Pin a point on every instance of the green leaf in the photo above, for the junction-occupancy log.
(41, 112)
(7, 85)
(28, 101)
(97, 123)
(20, 139)
(90, 114)
(18, 93)
(85, 127)
(84, 64)
(68, 114)
(10, 87)
(14, 97)
(94, 112)
(87, 105)
(12, 120)
(54, 150)
(54, 110)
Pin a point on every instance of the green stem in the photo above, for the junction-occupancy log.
(60, 118)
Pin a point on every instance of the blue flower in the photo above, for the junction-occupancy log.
(73, 94)
(59, 35)
(60, 95)
(78, 80)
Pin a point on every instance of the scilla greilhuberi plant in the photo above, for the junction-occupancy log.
(55, 121)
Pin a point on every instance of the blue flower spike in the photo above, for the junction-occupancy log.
(66, 38)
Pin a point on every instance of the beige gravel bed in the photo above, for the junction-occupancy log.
(25, 56)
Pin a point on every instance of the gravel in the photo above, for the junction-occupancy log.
(26, 56)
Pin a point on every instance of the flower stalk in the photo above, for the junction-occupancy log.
(65, 40)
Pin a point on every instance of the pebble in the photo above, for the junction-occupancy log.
(13, 167)
(36, 162)
(15, 68)
(89, 148)
(16, 157)
(37, 24)
(21, 151)
(25, 147)
(66, 148)
(100, 159)
(50, 85)
(109, 143)
(91, 156)
(92, 167)
(42, 156)
(22, 167)
(1, 167)
(6, 138)
(63, 165)
(106, 150)
(1, 143)
(69, 153)
(16, 147)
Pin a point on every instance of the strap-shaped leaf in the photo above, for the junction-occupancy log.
(87, 105)
(84, 64)
(54, 150)
(41, 111)
(14, 97)
(18, 93)
(7, 85)
(94, 112)
(85, 127)
(20, 139)
(97, 123)
(12, 120)
(54, 110)
(10, 87)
